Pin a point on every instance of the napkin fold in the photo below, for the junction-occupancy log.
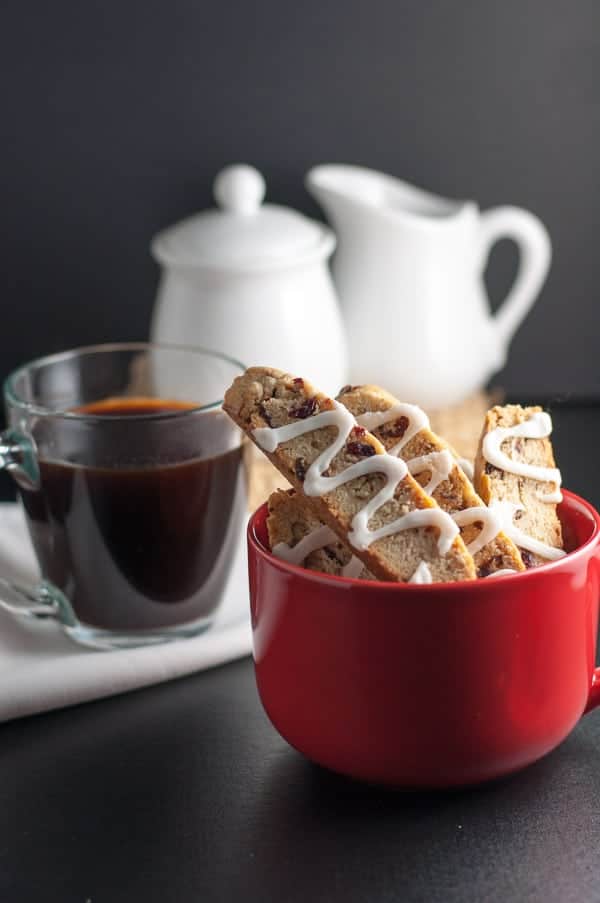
(42, 669)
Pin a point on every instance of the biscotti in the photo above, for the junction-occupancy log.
(516, 475)
(297, 535)
(366, 496)
(403, 429)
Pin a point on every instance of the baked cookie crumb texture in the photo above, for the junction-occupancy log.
(516, 475)
(367, 497)
(297, 535)
(404, 430)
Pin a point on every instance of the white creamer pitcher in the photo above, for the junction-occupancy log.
(409, 275)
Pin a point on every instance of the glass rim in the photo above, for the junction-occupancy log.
(12, 398)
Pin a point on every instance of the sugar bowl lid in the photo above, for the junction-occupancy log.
(242, 233)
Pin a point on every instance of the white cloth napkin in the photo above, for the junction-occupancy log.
(42, 669)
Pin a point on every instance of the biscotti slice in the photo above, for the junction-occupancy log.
(366, 496)
(297, 535)
(516, 475)
(404, 430)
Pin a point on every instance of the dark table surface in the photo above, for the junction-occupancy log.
(185, 792)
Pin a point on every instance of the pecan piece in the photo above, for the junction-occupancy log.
(300, 468)
(332, 555)
(264, 414)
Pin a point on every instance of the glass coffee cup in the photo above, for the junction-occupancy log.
(132, 483)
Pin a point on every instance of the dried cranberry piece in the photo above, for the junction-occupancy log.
(299, 382)
(304, 410)
(396, 429)
(360, 449)
(489, 468)
(527, 557)
(358, 431)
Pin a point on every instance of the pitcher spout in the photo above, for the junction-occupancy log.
(340, 195)
(343, 189)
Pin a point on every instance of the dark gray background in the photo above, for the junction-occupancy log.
(117, 115)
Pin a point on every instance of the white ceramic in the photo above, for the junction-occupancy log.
(409, 274)
(252, 280)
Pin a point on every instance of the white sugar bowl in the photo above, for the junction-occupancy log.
(251, 280)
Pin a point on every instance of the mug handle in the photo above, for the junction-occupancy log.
(39, 600)
(593, 700)
(535, 249)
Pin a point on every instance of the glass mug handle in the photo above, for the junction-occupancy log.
(39, 600)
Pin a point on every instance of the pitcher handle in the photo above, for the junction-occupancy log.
(535, 251)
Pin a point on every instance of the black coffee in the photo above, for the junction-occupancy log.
(137, 547)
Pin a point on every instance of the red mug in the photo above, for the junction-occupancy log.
(428, 686)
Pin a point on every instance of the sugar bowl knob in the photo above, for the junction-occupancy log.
(239, 189)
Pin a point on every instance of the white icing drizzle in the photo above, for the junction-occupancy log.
(506, 512)
(354, 568)
(417, 420)
(422, 574)
(467, 468)
(538, 426)
(393, 468)
(316, 539)
(499, 516)
(440, 464)
(491, 525)
(421, 517)
(270, 437)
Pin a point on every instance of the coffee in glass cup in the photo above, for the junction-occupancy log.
(133, 491)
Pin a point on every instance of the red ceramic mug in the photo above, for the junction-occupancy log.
(428, 685)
